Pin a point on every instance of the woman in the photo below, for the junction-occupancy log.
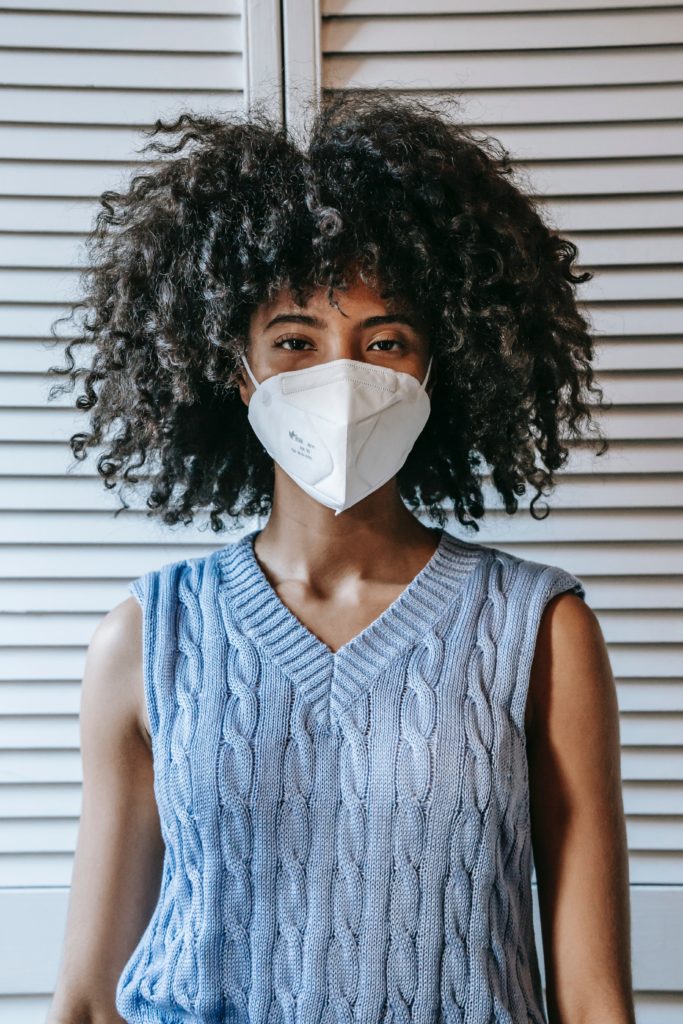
(317, 760)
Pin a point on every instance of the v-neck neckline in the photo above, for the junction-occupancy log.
(331, 680)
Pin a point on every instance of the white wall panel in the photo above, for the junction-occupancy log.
(78, 82)
(588, 99)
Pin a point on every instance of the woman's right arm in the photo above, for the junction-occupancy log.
(119, 853)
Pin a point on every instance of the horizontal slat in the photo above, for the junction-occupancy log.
(662, 867)
(642, 423)
(460, 33)
(47, 216)
(31, 662)
(42, 732)
(46, 594)
(119, 561)
(523, 69)
(660, 660)
(52, 698)
(54, 250)
(650, 695)
(624, 248)
(110, 143)
(608, 526)
(49, 593)
(638, 764)
(25, 869)
(607, 285)
(33, 836)
(26, 459)
(21, 767)
(21, 390)
(489, 110)
(81, 529)
(644, 319)
(596, 141)
(638, 354)
(641, 763)
(33, 869)
(56, 423)
(585, 213)
(642, 389)
(635, 285)
(68, 630)
(651, 729)
(560, 106)
(65, 800)
(595, 250)
(77, 492)
(624, 561)
(160, 7)
(117, 106)
(48, 286)
(34, 801)
(609, 177)
(22, 178)
(363, 7)
(643, 626)
(118, 31)
(123, 71)
(630, 591)
(612, 213)
(629, 660)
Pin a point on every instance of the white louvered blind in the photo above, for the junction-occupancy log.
(78, 80)
(588, 98)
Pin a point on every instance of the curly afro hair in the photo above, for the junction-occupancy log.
(231, 210)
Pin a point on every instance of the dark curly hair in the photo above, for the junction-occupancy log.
(232, 209)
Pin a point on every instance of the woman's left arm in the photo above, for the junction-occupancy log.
(578, 829)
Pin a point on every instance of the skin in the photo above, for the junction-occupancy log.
(337, 574)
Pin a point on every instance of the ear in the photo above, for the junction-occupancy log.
(238, 381)
(246, 388)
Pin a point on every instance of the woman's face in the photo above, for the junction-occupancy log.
(284, 336)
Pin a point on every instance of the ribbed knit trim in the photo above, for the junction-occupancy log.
(331, 680)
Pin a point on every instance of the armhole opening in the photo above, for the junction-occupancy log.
(139, 587)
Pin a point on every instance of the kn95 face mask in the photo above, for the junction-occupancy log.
(340, 429)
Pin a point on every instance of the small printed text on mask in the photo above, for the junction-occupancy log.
(299, 446)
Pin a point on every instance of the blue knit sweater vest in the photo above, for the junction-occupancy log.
(347, 834)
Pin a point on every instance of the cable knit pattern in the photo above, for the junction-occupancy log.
(347, 834)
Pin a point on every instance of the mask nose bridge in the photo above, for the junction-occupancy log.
(257, 385)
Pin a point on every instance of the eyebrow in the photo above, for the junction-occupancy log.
(312, 321)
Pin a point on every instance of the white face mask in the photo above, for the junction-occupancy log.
(340, 429)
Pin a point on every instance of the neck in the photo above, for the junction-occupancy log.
(376, 537)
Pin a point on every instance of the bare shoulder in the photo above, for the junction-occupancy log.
(114, 661)
(571, 663)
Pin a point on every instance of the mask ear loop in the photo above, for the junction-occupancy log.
(424, 382)
(256, 383)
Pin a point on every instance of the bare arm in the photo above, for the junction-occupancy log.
(119, 854)
(577, 820)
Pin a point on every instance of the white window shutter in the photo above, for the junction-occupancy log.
(588, 99)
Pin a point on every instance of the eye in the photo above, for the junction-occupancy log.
(283, 341)
(387, 341)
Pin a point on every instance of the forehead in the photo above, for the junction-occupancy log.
(358, 300)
